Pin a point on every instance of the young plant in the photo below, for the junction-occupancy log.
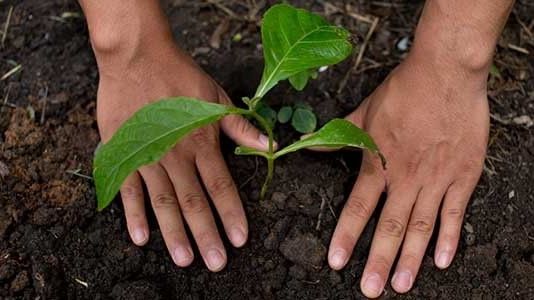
(296, 43)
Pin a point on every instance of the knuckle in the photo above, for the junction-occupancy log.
(205, 238)
(412, 165)
(380, 263)
(241, 126)
(204, 136)
(163, 200)
(391, 227)
(220, 185)
(130, 193)
(453, 215)
(422, 225)
(411, 258)
(193, 203)
(358, 208)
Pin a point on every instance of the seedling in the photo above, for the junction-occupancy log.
(296, 43)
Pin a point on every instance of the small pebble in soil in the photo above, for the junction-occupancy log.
(20, 282)
(304, 249)
(278, 232)
(269, 265)
(470, 239)
(7, 270)
(279, 199)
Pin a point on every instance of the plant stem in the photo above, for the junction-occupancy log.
(270, 172)
(270, 152)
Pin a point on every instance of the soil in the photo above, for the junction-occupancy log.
(54, 245)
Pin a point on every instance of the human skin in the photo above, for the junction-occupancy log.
(138, 62)
(430, 118)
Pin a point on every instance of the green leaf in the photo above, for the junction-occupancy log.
(294, 41)
(146, 137)
(267, 113)
(337, 133)
(284, 114)
(299, 80)
(304, 120)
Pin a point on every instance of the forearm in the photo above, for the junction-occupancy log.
(460, 34)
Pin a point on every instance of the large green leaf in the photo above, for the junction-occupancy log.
(337, 133)
(296, 41)
(146, 137)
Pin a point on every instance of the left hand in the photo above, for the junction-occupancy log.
(431, 122)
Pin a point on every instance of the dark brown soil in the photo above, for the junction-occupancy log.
(54, 245)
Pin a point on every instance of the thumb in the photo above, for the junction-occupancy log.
(243, 133)
(240, 130)
(357, 116)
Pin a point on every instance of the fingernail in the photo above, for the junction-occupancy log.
(264, 141)
(182, 256)
(338, 258)
(215, 260)
(402, 281)
(372, 285)
(237, 236)
(139, 236)
(443, 260)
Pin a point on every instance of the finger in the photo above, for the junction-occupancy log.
(358, 208)
(167, 211)
(222, 190)
(356, 116)
(418, 235)
(243, 133)
(388, 236)
(452, 215)
(240, 130)
(196, 211)
(134, 209)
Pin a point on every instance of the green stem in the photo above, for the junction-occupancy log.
(270, 153)
(270, 172)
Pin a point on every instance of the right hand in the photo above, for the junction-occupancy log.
(133, 78)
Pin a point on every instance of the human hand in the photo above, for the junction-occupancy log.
(133, 78)
(431, 123)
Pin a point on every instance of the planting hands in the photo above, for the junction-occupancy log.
(430, 119)
(150, 67)
(434, 139)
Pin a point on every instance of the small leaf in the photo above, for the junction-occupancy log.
(284, 114)
(146, 137)
(304, 120)
(294, 41)
(299, 80)
(267, 113)
(335, 134)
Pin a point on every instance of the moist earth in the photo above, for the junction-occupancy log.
(54, 245)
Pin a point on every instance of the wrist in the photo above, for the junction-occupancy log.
(122, 33)
(453, 50)
(460, 35)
